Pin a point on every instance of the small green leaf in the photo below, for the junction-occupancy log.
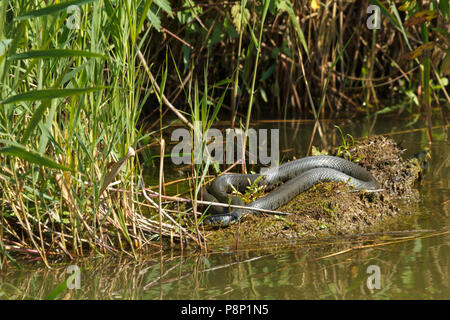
(165, 6)
(263, 94)
(267, 73)
(45, 95)
(222, 82)
(154, 20)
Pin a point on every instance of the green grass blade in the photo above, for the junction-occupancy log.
(49, 94)
(59, 288)
(51, 9)
(34, 121)
(46, 95)
(216, 109)
(62, 286)
(32, 157)
(445, 8)
(147, 5)
(286, 6)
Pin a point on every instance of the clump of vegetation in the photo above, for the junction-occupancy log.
(72, 91)
(331, 208)
(252, 192)
(347, 142)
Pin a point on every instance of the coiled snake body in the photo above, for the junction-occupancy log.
(295, 177)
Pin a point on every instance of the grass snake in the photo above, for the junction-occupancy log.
(292, 178)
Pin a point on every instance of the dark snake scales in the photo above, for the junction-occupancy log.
(293, 178)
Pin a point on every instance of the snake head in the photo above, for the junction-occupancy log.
(220, 220)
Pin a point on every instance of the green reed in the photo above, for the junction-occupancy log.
(71, 96)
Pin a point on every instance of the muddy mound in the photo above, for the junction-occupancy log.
(331, 208)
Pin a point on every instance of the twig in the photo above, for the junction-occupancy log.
(366, 191)
(219, 204)
(161, 95)
(177, 37)
(159, 206)
(161, 176)
(380, 244)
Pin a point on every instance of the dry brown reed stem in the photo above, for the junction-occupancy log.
(160, 94)
(413, 130)
(188, 179)
(161, 173)
(382, 244)
(153, 227)
(197, 230)
(341, 240)
(161, 210)
(219, 204)
(390, 81)
(177, 37)
(28, 228)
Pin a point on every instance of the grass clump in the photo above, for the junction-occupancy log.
(72, 91)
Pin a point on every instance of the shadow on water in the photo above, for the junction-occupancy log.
(413, 264)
